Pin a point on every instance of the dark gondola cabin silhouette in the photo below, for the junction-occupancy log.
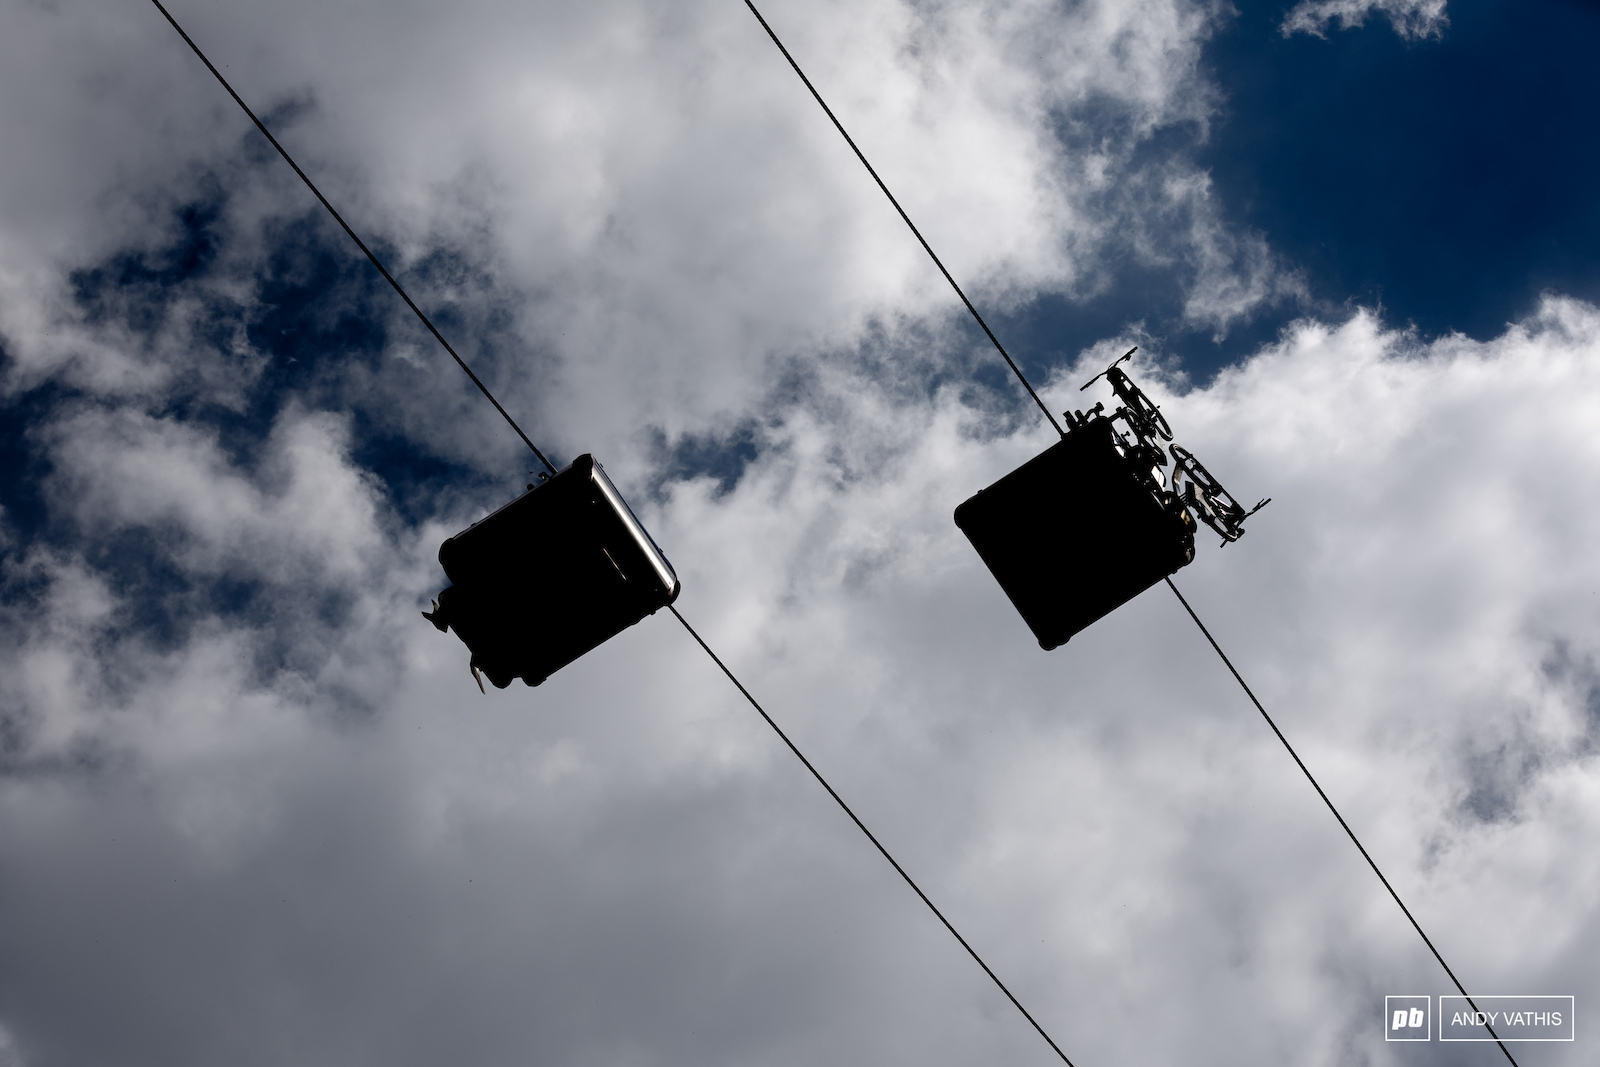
(1092, 522)
(551, 575)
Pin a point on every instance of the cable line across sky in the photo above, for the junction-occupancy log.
(717, 660)
(676, 614)
(926, 247)
(1218, 648)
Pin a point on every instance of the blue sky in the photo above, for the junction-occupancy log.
(1440, 177)
(1445, 178)
(253, 808)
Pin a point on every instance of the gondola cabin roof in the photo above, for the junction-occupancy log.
(550, 576)
(1077, 531)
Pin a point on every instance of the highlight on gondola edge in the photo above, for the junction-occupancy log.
(1093, 521)
(548, 577)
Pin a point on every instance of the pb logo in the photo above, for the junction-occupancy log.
(1407, 1018)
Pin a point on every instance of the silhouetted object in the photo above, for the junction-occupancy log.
(1090, 523)
(1076, 532)
(550, 576)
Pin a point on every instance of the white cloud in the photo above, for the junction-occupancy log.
(1410, 18)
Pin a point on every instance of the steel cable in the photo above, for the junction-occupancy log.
(901, 871)
(937, 262)
(412, 304)
(698, 639)
(1346, 826)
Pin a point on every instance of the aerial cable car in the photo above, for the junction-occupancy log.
(555, 573)
(1093, 521)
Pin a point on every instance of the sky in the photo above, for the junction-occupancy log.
(254, 809)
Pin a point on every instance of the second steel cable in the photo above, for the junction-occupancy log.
(907, 219)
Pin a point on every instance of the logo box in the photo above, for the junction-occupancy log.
(1407, 1018)
(1513, 1018)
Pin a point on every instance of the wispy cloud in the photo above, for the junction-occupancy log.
(1413, 19)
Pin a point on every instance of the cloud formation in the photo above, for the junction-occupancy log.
(253, 808)
(1412, 19)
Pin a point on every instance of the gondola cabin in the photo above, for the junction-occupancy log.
(1076, 532)
(551, 575)
(1092, 522)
